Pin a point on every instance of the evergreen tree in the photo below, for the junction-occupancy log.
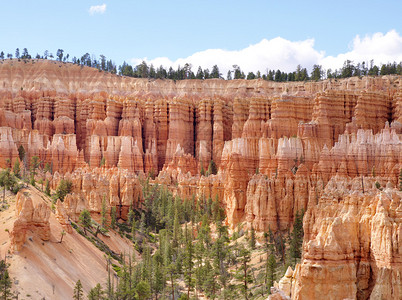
(113, 217)
(96, 293)
(317, 73)
(143, 223)
(17, 169)
(243, 273)
(296, 238)
(188, 265)
(270, 269)
(215, 72)
(176, 230)
(47, 168)
(200, 74)
(35, 162)
(212, 168)
(5, 282)
(158, 282)
(131, 216)
(47, 188)
(78, 292)
(202, 172)
(6, 181)
(64, 188)
(133, 230)
(252, 238)
(103, 212)
(143, 290)
(85, 220)
(210, 285)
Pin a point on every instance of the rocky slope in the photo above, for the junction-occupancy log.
(322, 147)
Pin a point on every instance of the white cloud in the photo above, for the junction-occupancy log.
(382, 48)
(97, 9)
(279, 53)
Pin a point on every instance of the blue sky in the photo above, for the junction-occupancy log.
(171, 32)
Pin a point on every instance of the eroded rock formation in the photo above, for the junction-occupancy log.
(322, 147)
(31, 220)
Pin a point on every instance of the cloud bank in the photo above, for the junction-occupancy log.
(279, 53)
(97, 9)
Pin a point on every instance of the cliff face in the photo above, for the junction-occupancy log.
(280, 148)
(352, 247)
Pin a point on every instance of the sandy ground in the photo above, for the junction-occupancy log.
(49, 269)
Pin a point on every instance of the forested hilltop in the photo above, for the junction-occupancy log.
(143, 70)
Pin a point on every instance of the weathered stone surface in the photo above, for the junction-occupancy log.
(118, 187)
(352, 244)
(30, 219)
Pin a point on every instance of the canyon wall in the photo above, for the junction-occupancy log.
(331, 148)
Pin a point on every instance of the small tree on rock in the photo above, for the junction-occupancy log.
(17, 168)
(64, 188)
(85, 220)
(78, 292)
(212, 168)
(96, 293)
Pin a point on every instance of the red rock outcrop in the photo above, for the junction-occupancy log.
(30, 218)
(352, 246)
(119, 188)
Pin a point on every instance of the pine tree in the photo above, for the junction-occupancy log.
(202, 172)
(96, 293)
(35, 162)
(85, 220)
(113, 217)
(143, 223)
(133, 230)
(176, 230)
(188, 265)
(47, 188)
(47, 168)
(64, 188)
(210, 285)
(131, 216)
(143, 290)
(17, 169)
(6, 181)
(252, 238)
(78, 292)
(212, 168)
(243, 273)
(103, 212)
(270, 269)
(296, 238)
(5, 282)
(159, 280)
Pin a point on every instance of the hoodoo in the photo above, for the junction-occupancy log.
(330, 149)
